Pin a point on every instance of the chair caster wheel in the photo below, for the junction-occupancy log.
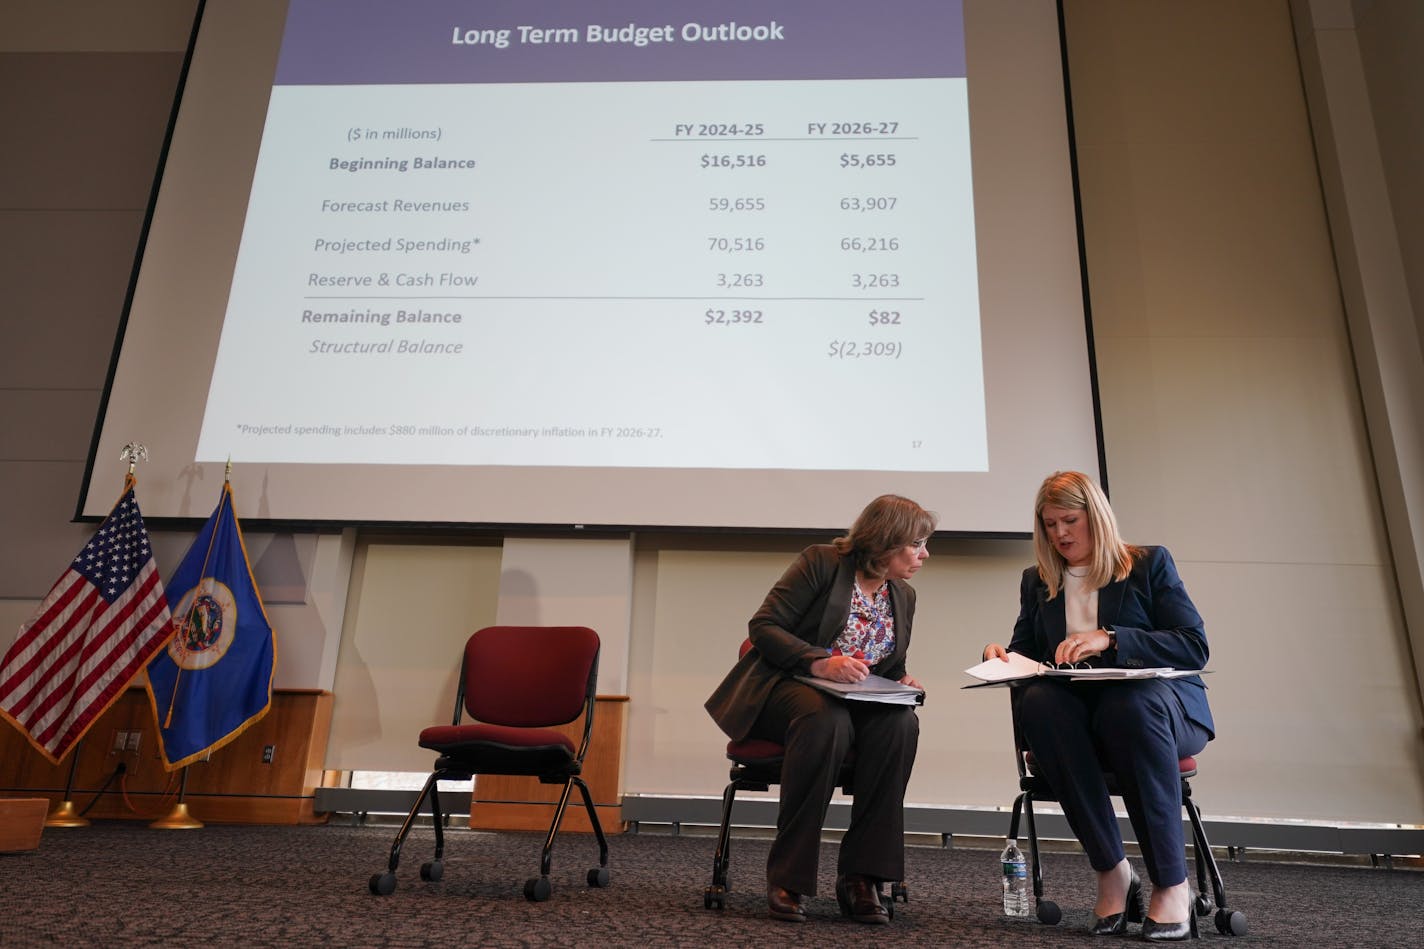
(537, 889)
(383, 884)
(432, 872)
(1230, 922)
(1203, 905)
(598, 877)
(1048, 913)
(714, 897)
(899, 892)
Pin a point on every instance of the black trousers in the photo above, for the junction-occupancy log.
(1137, 730)
(819, 731)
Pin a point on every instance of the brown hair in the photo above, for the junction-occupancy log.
(1075, 491)
(887, 524)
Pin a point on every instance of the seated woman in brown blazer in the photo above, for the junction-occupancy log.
(840, 612)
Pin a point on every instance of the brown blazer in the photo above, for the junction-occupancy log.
(798, 622)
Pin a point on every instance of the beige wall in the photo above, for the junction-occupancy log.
(412, 606)
(1234, 426)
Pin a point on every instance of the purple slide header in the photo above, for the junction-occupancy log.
(360, 42)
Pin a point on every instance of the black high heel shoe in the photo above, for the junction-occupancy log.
(1116, 924)
(1154, 931)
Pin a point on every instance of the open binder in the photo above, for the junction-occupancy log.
(999, 671)
(872, 688)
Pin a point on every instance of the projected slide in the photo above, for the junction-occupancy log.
(637, 263)
(634, 235)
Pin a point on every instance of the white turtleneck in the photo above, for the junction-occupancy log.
(1080, 604)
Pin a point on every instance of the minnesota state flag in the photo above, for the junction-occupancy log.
(215, 678)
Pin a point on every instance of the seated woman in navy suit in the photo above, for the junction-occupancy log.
(1091, 596)
(840, 612)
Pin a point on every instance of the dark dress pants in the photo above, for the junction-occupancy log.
(1138, 731)
(818, 731)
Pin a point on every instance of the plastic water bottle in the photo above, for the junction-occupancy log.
(1015, 867)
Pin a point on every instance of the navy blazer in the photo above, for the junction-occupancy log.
(1155, 622)
(798, 622)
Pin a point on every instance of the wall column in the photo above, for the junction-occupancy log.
(1383, 328)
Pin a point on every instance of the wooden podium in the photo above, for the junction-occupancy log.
(22, 823)
(267, 775)
(513, 802)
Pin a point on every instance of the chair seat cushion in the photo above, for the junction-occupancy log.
(497, 749)
(755, 751)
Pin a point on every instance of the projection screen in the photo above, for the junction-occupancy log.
(635, 264)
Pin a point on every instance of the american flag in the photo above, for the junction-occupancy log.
(100, 624)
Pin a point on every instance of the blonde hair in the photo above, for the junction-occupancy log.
(1112, 557)
(887, 524)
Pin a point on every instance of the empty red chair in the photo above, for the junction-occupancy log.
(517, 684)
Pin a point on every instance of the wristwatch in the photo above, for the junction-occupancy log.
(1112, 637)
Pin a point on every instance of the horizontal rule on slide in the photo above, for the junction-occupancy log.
(567, 235)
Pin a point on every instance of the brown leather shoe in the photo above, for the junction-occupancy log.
(859, 898)
(784, 904)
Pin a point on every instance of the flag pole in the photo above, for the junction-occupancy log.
(179, 818)
(65, 814)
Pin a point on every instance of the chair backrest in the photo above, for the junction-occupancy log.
(529, 676)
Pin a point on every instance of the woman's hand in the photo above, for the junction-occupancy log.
(912, 682)
(995, 651)
(840, 669)
(1081, 646)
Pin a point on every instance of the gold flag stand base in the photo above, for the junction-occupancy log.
(177, 819)
(65, 815)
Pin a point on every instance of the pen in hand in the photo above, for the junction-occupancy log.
(838, 667)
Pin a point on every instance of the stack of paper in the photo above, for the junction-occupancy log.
(872, 688)
(1022, 667)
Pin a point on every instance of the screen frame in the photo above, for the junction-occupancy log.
(88, 496)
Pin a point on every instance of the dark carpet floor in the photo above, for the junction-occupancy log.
(124, 884)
